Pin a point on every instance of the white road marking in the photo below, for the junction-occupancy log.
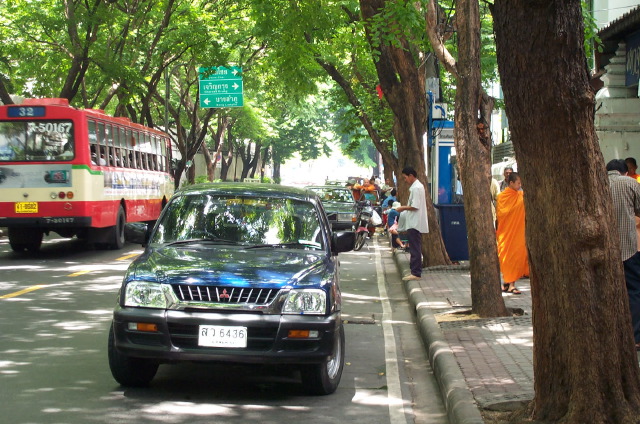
(396, 402)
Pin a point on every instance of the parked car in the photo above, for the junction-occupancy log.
(234, 272)
(339, 204)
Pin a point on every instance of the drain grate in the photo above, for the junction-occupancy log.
(523, 321)
(359, 320)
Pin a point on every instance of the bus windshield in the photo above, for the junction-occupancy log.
(36, 141)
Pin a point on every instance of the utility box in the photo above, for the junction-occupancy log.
(454, 230)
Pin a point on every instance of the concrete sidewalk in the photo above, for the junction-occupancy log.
(479, 363)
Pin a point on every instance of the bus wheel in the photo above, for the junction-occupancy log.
(22, 239)
(117, 235)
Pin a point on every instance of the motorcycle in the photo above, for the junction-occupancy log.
(364, 225)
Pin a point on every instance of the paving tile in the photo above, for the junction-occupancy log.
(495, 355)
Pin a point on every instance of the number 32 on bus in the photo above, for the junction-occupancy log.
(78, 172)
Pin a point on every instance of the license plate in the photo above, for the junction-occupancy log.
(220, 336)
(27, 207)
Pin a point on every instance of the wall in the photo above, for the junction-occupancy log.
(617, 118)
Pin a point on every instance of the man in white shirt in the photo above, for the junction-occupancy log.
(415, 221)
(625, 193)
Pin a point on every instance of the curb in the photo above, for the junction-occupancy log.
(458, 400)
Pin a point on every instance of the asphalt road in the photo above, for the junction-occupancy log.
(55, 310)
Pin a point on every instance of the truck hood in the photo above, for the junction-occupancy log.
(232, 266)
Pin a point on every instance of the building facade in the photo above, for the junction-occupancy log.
(617, 117)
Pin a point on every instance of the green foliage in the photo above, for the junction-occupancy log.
(200, 179)
(398, 20)
(592, 40)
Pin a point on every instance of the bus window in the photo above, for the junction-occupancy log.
(36, 140)
(152, 156)
(123, 145)
(101, 148)
(108, 141)
(163, 157)
(147, 143)
(135, 141)
(133, 155)
(166, 149)
(139, 163)
(124, 136)
(93, 141)
(117, 155)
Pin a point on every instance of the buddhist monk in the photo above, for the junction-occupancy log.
(512, 249)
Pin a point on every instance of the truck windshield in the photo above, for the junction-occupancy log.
(241, 220)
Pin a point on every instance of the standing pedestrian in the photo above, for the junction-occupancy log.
(505, 183)
(632, 167)
(512, 247)
(414, 215)
(494, 190)
(625, 193)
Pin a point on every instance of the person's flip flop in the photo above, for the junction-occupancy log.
(514, 291)
(505, 288)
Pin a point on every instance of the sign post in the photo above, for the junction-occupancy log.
(221, 87)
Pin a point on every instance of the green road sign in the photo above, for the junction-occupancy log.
(221, 87)
(221, 100)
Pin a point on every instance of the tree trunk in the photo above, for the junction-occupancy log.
(255, 161)
(389, 173)
(276, 172)
(5, 97)
(218, 139)
(403, 84)
(585, 364)
(226, 164)
(208, 162)
(473, 147)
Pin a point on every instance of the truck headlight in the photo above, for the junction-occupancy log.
(305, 302)
(344, 216)
(145, 294)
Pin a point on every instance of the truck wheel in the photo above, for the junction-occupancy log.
(128, 371)
(117, 235)
(21, 239)
(323, 379)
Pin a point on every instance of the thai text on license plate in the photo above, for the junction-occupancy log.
(221, 336)
(27, 207)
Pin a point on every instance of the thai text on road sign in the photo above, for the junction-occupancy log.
(221, 87)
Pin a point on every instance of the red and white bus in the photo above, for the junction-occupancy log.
(78, 172)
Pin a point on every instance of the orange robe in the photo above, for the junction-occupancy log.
(512, 249)
(634, 176)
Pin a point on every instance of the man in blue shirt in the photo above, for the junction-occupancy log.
(388, 201)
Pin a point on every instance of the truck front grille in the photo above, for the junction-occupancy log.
(232, 295)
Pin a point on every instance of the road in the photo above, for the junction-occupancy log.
(55, 310)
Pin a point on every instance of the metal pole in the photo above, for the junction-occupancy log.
(166, 100)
